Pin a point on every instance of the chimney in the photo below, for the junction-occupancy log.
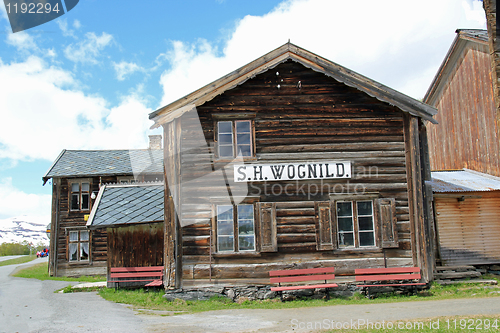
(154, 141)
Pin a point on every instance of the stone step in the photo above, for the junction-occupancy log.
(456, 275)
(455, 268)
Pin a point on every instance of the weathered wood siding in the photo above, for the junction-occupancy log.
(310, 117)
(467, 133)
(69, 220)
(469, 230)
(138, 245)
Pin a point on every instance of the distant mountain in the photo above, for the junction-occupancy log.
(24, 228)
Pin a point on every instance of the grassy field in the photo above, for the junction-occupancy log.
(153, 300)
(20, 260)
(40, 272)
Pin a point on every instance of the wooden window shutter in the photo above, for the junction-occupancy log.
(386, 209)
(324, 238)
(268, 228)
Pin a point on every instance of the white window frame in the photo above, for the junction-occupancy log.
(236, 224)
(234, 138)
(80, 194)
(79, 243)
(355, 223)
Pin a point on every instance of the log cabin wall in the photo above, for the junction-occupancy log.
(298, 115)
(73, 220)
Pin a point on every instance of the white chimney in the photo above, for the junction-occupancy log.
(154, 141)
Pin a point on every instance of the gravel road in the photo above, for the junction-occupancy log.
(28, 305)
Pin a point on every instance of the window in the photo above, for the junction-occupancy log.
(80, 195)
(235, 220)
(126, 180)
(234, 138)
(79, 245)
(355, 221)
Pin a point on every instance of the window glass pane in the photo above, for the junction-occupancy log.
(243, 139)
(85, 201)
(243, 127)
(225, 228)
(75, 187)
(364, 207)
(366, 239)
(244, 151)
(245, 212)
(84, 251)
(345, 224)
(226, 151)
(225, 243)
(246, 243)
(346, 239)
(225, 139)
(245, 227)
(73, 236)
(84, 236)
(74, 201)
(73, 251)
(225, 212)
(365, 223)
(85, 187)
(225, 127)
(344, 208)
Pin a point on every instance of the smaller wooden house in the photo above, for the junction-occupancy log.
(77, 176)
(467, 208)
(132, 216)
(293, 161)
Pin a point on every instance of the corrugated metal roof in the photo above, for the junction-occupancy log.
(474, 33)
(106, 162)
(127, 204)
(463, 181)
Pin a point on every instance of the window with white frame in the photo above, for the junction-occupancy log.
(235, 220)
(78, 245)
(355, 222)
(234, 138)
(80, 195)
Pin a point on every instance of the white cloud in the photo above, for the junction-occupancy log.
(14, 202)
(77, 24)
(88, 50)
(22, 41)
(398, 43)
(124, 68)
(63, 25)
(57, 115)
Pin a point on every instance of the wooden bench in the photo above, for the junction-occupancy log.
(388, 277)
(152, 276)
(303, 275)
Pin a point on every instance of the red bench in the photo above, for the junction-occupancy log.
(151, 276)
(303, 275)
(388, 277)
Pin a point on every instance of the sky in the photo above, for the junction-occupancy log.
(89, 79)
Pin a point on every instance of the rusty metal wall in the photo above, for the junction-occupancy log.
(469, 230)
(466, 136)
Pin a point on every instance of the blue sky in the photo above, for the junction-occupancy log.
(89, 79)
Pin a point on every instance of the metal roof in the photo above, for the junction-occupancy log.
(463, 181)
(72, 163)
(308, 59)
(127, 204)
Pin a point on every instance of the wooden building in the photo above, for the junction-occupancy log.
(467, 135)
(76, 178)
(132, 215)
(467, 208)
(294, 161)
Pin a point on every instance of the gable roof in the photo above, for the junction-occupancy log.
(127, 204)
(77, 163)
(463, 37)
(463, 181)
(307, 59)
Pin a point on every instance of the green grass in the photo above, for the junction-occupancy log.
(40, 272)
(20, 260)
(153, 300)
(454, 324)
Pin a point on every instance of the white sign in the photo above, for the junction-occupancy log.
(292, 171)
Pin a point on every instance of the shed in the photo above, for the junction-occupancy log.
(132, 216)
(467, 208)
(293, 161)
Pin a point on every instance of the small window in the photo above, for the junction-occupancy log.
(235, 220)
(80, 195)
(79, 245)
(355, 222)
(126, 180)
(234, 138)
